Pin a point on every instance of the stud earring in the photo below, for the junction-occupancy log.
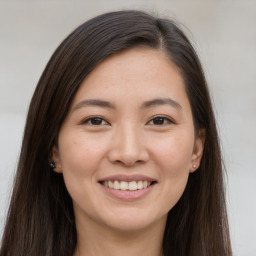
(52, 165)
(194, 166)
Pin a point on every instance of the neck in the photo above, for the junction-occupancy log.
(109, 242)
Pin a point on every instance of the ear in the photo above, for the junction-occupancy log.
(56, 159)
(197, 150)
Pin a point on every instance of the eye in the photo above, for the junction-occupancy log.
(160, 120)
(96, 121)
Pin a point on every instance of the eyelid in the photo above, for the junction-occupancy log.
(166, 118)
(89, 118)
(170, 120)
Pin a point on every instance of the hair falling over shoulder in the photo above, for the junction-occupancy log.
(40, 219)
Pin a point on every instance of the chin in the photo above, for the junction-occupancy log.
(134, 221)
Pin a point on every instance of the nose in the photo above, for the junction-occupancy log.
(128, 146)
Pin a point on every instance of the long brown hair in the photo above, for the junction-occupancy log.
(40, 220)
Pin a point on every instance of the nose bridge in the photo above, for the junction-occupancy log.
(129, 138)
(128, 145)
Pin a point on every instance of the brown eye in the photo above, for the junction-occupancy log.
(160, 120)
(95, 121)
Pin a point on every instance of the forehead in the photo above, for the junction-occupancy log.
(134, 74)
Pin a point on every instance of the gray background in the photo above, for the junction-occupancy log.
(224, 34)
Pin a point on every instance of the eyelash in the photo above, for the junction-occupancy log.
(164, 119)
(87, 120)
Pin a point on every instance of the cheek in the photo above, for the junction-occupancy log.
(173, 158)
(79, 155)
(80, 159)
(174, 154)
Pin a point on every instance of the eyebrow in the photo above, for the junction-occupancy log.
(94, 102)
(161, 101)
(146, 104)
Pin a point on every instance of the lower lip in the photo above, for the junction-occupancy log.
(128, 194)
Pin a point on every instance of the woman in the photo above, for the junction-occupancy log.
(120, 154)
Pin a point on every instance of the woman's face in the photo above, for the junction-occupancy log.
(128, 143)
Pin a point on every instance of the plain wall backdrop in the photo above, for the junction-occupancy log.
(224, 35)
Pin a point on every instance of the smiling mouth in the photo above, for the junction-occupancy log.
(127, 186)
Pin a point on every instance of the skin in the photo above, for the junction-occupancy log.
(128, 141)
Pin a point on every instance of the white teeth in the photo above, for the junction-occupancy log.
(116, 185)
(145, 184)
(110, 184)
(133, 185)
(140, 184)
(124, 185)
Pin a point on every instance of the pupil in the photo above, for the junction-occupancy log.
(96, 121)
(159, 120)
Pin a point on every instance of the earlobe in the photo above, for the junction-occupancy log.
(55, 160)
(198, 150)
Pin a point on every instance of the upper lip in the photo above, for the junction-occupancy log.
(128, 178)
